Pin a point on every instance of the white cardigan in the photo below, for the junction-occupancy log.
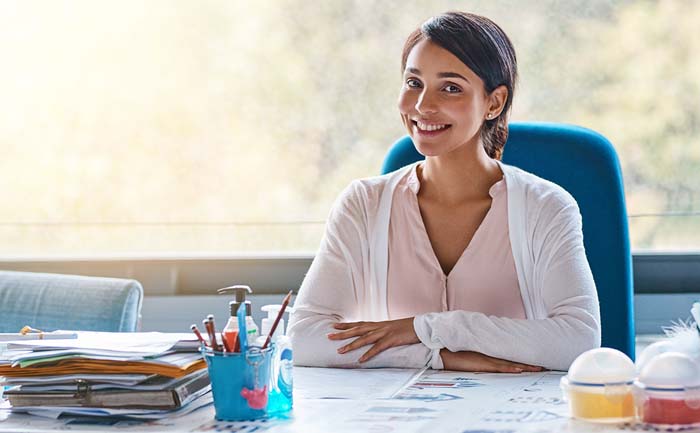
(348, 277)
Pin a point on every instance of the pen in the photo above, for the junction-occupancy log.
(277, 319)
(194, 329)
(212, 337)
(210, 318)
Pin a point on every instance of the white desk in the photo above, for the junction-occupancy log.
(387, 400)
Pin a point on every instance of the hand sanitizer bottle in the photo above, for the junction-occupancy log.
(230, 332)
(281, 380)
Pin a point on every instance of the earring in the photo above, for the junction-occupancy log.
(490, 115)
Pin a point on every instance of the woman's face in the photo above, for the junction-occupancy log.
(442, 102)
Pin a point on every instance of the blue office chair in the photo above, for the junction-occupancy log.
(585, 164)
(52, 301)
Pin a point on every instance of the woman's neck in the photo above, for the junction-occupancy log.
(463, 175)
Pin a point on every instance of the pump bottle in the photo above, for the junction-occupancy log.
(230, 332)
(281, 380)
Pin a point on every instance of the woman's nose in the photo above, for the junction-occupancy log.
(426, 103)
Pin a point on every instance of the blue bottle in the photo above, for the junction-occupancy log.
(281, 379)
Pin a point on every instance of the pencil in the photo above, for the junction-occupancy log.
(210, 332)
(210, 318)
(277, 319)
(194, 329)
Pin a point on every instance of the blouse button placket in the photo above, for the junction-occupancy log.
(444, 293)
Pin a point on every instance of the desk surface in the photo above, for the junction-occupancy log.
(383, 400)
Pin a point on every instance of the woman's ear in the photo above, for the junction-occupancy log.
(497, 101)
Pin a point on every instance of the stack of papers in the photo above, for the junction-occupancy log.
(141, 375)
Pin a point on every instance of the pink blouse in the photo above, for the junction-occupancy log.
(484, 278)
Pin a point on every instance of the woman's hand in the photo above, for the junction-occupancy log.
(382, 335)
(475, 361)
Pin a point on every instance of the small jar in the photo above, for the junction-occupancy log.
(651, 351)
(668, 391)
(599, 386)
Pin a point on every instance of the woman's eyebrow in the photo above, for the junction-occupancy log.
(452, 75)
(440, 74)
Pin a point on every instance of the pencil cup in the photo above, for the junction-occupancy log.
(240, 383)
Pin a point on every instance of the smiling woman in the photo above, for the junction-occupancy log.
(461, 86)
(422, 266)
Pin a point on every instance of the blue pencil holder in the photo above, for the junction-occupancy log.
(240, 383)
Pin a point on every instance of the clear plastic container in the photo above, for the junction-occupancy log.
(668, 391)
(599, 386)
(651, 351)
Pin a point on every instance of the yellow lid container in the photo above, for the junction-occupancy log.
(598, 386)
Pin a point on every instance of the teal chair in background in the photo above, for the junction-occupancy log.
(585, 164)
(53, 301)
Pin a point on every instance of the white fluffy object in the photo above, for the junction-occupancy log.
(683, 337)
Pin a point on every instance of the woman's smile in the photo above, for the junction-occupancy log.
(429, 129)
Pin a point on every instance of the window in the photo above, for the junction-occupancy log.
(230, 127)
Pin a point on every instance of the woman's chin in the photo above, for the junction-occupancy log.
(428, 149)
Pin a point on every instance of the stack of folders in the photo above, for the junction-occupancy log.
(131, 375)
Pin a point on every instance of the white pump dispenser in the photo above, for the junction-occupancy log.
(272, 311)
(281, 381)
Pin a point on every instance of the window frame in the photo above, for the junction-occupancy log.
(653, 272)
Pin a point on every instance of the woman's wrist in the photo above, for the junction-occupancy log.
(446, 356)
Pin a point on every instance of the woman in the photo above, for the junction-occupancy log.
(458, 262)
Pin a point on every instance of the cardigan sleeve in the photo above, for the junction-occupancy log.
(332, 292)
(561, 278)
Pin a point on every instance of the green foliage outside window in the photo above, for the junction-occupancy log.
(168, 127)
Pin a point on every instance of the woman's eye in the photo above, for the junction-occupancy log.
(452, 89)
(413, 83)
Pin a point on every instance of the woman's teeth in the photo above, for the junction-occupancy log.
(426, 127)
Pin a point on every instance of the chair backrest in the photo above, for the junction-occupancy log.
(53, 301)
(585, 164)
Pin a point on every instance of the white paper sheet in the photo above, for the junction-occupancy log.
(141, 343)
(54, 335)
(360, 384)
(122, 379)
(164, 358)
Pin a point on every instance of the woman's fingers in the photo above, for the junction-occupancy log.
(353, 332)
(475, 361)
(508, 369)
(349, 330)
(531, 368)
(518, 365)
(375, 350)
(383, 335)
(359, 342)
(348, 325)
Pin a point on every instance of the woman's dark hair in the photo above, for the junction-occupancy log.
(483, 46)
